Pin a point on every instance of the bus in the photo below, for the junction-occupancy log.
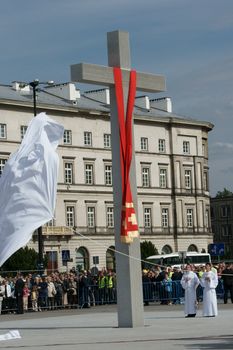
(179, 258)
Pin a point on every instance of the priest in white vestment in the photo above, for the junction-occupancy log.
(209, 282)
(190, 283)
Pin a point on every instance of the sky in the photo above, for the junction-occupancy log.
(187, 41)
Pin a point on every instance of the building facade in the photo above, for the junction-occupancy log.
(171, 154)
(222, 222)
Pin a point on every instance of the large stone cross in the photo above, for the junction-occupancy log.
(129, 276)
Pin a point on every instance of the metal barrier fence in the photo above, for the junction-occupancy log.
(93, 295)
(172, 292)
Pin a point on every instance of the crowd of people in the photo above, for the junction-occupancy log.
(166, 285)
(56, 291)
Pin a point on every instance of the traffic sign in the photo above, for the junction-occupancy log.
(216, 249)
(65, 255)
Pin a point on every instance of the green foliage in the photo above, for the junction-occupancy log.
(25, 259)
(224, 193)
(148, 249)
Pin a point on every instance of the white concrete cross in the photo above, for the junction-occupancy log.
(129, 279)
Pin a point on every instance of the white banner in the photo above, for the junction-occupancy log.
(28, 185)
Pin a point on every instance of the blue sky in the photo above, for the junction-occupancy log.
(188, 41)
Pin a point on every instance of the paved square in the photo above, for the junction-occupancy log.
(96, 329)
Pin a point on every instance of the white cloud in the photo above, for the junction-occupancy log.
(223, 145)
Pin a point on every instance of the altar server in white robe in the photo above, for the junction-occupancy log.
(190, 282)
(209, 282)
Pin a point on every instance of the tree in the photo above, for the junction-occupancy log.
(148, 249)
(25, 259)
(224, 193)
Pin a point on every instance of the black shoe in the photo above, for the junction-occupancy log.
(190, 315)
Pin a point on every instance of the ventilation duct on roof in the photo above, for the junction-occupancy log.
(21, 87)
(142, 102)
(163, 104)
(67, 91)
(100, 95)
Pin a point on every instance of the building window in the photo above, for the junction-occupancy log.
(186, 147)
(2, 164)
(70, 220)
(145, 177)
(189, 218)
(165, 217)
(162, 146)
(87, 138)
(82, 259)
(147, 218)
(52, 260)
(91, 217)
(212, 214)
(67, 137)
(188, 179)
(107, 141)
(23, 129)
(203, 150)
(163, 178)
(192, 248)
(110, 217)
(110, 259)
(144, 144)
(205, 181)
(3, 131)
(207, 218)
(225, 211)
(166, 249)
(108, 175)
(89, 174)
(226, 230)
(68, 173)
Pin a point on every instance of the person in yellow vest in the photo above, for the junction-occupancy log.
(102, 288)
(201, 271)
(170, 271)
(109, 287)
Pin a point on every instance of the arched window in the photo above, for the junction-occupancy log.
(110, 259)
(166, 249)
(82, 259)
(192, 248)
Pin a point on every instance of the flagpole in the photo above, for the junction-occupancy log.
(34, 84)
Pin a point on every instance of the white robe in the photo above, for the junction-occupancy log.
(209, 282)
(190, 282)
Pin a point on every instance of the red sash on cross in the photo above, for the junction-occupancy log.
(129, 226)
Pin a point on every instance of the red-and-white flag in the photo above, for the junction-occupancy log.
(28, 185)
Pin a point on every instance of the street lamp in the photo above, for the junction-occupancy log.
(34, 85)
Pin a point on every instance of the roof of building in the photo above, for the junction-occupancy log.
(13, 94)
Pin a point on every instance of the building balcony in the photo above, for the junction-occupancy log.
(57, 231)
